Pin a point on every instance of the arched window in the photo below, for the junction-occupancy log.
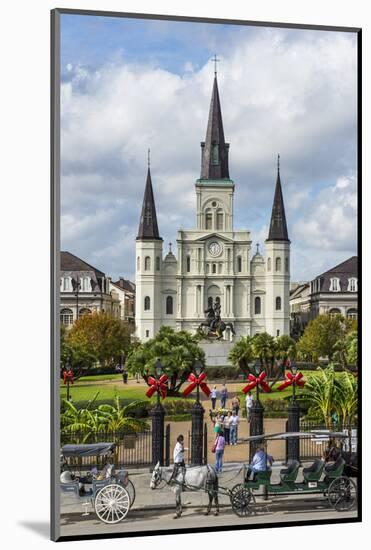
(334, 311)
(138, 263)
(269, 264)
(158, 263)
(169, 305)
(352, 313)
(188, 264)
(147, 263)
(239, 264)
(84, 311)
(278, 264)
(214, 268)
(286, 265)
(147, 303)
(278, 303)
(257, 305)
(208, 219)
(219, 219)
(66, 317)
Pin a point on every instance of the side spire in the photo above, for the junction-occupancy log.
(148, 228)
(278, 225)
(214, 150)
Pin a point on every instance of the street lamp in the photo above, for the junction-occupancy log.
(197, 368)
(158, 370)
(257, 369)
(294, 370)
(77, 287)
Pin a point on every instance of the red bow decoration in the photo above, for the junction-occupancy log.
(194, 382)
(67, 376)
(291, 379)
(157, 385)
(255, 380)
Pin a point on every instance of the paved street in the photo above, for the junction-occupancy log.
(154, 509)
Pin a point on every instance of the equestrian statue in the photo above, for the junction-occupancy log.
(214, 326)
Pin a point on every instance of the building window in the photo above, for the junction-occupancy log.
(208, 219)
(278, 264)
(239, 264)
(85, 284)
(335, 285)
(147, 333)
(286, 265)
(278, 332)
(84, 311)
(147, 303)
(207, 268)
(278, 303)
(219, 219)
(352, 285)
(188, 264)
(138, 263)
(158, 263)
(352, 313)
(169, 305)
(147, 263)
(214, 268)
(215, 154)
(67, 284)
(258, 305)
(269, 264)
(210, 301)
(334, 311)
(220, 268)
(66, 317)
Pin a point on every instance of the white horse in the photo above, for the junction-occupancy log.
(196, 478)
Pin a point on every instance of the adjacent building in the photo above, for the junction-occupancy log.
(126, 293)
(215, 263)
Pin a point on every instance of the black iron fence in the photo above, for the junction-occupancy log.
(313, 448)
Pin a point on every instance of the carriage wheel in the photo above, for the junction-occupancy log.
(243, 501)
(112, 503)
(342, 494)
(131, 490)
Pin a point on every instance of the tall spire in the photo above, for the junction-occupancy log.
(214, 150)
(148, 228)
(278, 226)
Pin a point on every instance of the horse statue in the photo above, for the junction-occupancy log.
(214, 326)
(195, 478)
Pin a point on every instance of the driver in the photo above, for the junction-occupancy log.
(261, 462)
(178, 456)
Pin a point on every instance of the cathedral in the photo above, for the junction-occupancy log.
(215, 264)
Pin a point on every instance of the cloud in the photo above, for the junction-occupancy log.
(292, 92)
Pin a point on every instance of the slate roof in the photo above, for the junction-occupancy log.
(278, 225)
(214, 136)
(124, 284)
(148, 228)
(70, 262)
(343, 271)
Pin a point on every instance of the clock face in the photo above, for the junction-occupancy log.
(215, 248)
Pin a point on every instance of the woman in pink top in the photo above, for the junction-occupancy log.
(219, 451)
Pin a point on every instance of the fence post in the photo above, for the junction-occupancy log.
(167, 445)
(158, 424)
(293, 425)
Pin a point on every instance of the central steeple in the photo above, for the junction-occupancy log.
(214, 150)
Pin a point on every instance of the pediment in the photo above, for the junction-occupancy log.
(214, 235)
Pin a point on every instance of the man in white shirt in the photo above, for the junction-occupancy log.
(249, 402)
(178, 456)
(235, 420)
(213, 396)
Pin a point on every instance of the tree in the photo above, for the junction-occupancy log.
(105, 337)
(346, 349)
(322, 334)
(77, 356)
(264, 348)
(177, 352)
(242, 353)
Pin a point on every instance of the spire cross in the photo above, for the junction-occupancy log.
(149, 157)
(278, 162)
(257, 248)
(147, 215)
(215, 60)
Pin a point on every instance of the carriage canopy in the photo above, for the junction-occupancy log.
(88, 449)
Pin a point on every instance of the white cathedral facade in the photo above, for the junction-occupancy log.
(215, 263)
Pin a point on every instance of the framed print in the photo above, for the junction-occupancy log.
(205, 279)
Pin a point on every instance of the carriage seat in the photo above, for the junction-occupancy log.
(263, 476)
(290, 473)
(314, 471)
(335, 469)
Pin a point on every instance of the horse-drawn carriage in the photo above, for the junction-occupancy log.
(110, 492)
(331, 479)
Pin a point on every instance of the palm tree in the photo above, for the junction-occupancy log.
(347, 401)
(116, 418)
(320, 392)
(242, 353)
(264, 348)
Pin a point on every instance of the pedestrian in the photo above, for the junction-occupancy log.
(125, 375)
(261, 462)
(219, 451)
(236, 404)
(213, 397)
(223, 396)
(178, 456)
(235, 420)
(218, 423)
(249, 403)
(227, 428)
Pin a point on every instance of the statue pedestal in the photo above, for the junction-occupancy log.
(216, 352)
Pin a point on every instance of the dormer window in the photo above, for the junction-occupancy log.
(85, 284)
(335, 284)
(215, 154)
(352, 284)
(67, 284)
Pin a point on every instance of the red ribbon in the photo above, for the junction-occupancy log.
(291, 379)
(68, 376)
(194, 382)
(255, 380)
(157, 385)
